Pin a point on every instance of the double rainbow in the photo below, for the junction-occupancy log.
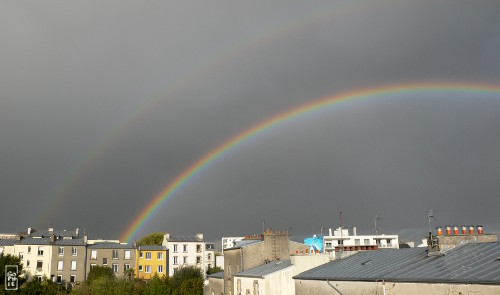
(172, 187)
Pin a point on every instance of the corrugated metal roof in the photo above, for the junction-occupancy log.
(8, 242)
(152, 248)
(217, 275)
(110, 246)
(468, 263)
(184, 239)
(265, 269)
(34, 241)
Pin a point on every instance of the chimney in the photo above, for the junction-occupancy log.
(448, 230)
(353, 230)
(52, 238)
(479, 229)
(330, 232)
(76, 231)
(464, 230)
(30, 230)
(85, 240)
(199, 236)
(166, 236)
(455, 229)
(439, 231)
(471, 229)
(51, 229)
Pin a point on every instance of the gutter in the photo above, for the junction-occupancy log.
(333, 287)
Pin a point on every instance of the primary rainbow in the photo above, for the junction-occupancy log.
(288, 115)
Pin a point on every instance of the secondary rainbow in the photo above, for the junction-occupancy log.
(288, 115)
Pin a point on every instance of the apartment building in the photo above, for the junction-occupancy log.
(230, 242)
(7, 246)
(68, 261)
(35, 255)
(183, 251)
(151, 260)
(209, 256)
(119, 257)
(341, 240)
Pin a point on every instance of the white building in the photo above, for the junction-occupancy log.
(342, 240)
(185, 250)
(35, 255)
(230, 242)
(7, 246)
(209, 256)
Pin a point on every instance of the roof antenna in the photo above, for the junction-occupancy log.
(430, 215)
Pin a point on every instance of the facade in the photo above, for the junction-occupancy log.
(209, 256)
(35, 255)
(68, 261)
(151, 260)
(7, 246)
(272, 278)
(215, 284)
(119, 257)
(247, 254)
(467, 268)
(183, 251)
(340, 240)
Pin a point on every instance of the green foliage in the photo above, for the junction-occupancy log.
(157, 286)
(187, 273)
(100, 272)
(152, 239)
(213, 270)
(192, 286)
(37, 287)
(8, 260)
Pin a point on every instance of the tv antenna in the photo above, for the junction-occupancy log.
(430, 215)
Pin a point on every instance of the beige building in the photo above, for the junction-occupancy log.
(7, 246)
(119, 257)
(465, 269)
(273, 278)
(68, 261)
(35, 255)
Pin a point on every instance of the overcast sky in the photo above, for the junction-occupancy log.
(102, 104)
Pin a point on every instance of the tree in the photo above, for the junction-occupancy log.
(100, 272)
(152, 239)
(10, 260)
(38, 287)
(190, 276)
(157, 285)
(213, 270)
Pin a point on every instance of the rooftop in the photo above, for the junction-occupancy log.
(184, 239)
(468, 263)
(34, 241)
(110, 246)
(152, 248)
(265, 269)
(217, 275)
(244, 243)
(8, 242)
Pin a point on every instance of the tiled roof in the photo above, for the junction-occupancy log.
(468, 263)
(217, 275)
(69, 242)
(184, 239)
(8, 242)
(152, 248)
(265, 269)
(111, 246)
(34, 241)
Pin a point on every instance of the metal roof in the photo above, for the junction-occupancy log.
(46, 233)
(265, 269)
(152, 248)
(34, 241)
(217, 275)
(184, 239)
(110, 246)
(244, 243)
(8, 242)
(69, 242)
(468, 263)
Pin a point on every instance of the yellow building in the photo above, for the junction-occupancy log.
(150, 260)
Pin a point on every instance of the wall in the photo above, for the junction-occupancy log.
(108, 253)
(67, 258)
(33, 257)
(215, 287)
(306, 262)
(303, 287)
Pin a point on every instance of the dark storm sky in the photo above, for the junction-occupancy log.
(104, 103)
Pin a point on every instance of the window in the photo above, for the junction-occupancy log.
(148, 269)
(39, 278)
(140, 267)
(159, 256)
(73, 265)
(389, 242)
(115, 267)
(328, 245)
(160, 268)
(127, 254)
(185, 247)
(175, 248)
(72, 278)
(175, 271)
(140, 254)
(29, 249)
(175, 260)
(126, 266)
(21, 255)
(209, 266)
(198, 259)
(92, 265)
(209, 256)
(104, 261)
(61, 251)
(198, 248)
(148, 255)
(59, 279)
(73, 251)
(40, 251)
(185, 260)
(27, 263)
(115, 254)
(60, 265)
(367, 242)
(39, 265)
(93, 254)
